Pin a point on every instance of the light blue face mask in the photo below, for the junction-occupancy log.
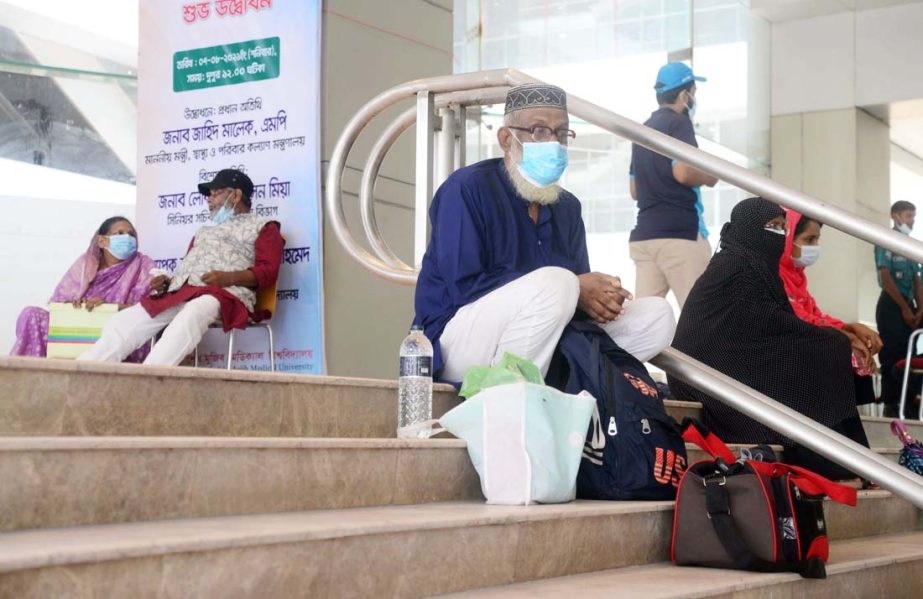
(221, 215)
(691, 106)
(810, 254)
(543, 162)
(122, 246)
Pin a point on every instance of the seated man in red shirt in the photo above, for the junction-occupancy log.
(226, 262)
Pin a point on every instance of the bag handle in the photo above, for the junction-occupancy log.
(807, 481)
(899, 429)
(695, 432)
(422, 430)
(718, 505)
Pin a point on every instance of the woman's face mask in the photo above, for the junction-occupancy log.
(810, 254)
(122, 246)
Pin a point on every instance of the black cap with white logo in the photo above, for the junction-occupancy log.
(231, 178)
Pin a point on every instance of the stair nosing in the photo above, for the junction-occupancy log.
(754, 580)
(89, 443)
(27, 549)
(106, 442)
(23, 550)
(39, 365)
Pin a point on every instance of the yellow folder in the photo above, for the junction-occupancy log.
(71, 331)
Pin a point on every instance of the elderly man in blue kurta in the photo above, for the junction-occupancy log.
(507, 266)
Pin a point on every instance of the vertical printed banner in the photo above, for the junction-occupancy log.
(236, 84)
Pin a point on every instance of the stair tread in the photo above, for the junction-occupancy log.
(39, 365)
(26, 549)
(663, 579)
(142, 442)
(37, 548)
(182, 442)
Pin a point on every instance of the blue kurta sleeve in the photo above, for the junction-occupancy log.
(579, 247)
(461, 244)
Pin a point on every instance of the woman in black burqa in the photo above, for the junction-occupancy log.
(739, 321)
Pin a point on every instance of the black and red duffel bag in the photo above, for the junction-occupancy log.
(751, 514)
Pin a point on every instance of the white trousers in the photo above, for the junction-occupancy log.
(133, 327)
(527, 316)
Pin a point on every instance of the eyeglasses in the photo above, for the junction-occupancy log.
(776, 227)
(542, 133)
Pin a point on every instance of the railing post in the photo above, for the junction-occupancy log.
(911, 345)
(426, 119)
(461, 141)
(445, 147)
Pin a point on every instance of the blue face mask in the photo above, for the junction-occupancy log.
(221, 215)
(122, 246)
(543, 162)
(691, 106)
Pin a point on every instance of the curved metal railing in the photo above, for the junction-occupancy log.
(440, 150)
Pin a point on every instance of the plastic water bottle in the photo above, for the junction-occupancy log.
(415, 385)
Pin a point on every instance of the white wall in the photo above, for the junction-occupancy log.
(49, 217)
(369, 46)
(841, 157)
(847, 59)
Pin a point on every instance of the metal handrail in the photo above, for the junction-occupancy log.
(488, 87)
(401, 273)
(907, 370)
(793, 424)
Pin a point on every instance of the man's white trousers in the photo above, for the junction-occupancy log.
(133, 327)
(527, 316)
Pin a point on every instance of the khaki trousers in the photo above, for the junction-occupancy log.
(665, 264)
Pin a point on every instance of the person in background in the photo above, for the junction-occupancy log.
(669, 244)
(111, 271)
(739, 321)
(507, 265)
(226, 263)
(900, 307)
(802, 249)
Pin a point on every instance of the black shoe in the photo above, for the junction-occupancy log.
(891, 411)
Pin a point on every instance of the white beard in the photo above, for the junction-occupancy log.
(531, 192)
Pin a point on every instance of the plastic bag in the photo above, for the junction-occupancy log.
(525, 440)
(510, 369)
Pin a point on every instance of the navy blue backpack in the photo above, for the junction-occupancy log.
(633, 448)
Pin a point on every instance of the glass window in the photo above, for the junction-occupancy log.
(41, 122)
(608, 53)
(68, 86)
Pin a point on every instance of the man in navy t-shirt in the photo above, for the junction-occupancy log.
(669, 243)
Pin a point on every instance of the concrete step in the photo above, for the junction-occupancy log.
(395, 551)
(72, 481)
(65, 398)
(879, 431)
(885, 566)
(62, 397)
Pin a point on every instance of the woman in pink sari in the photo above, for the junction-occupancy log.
(111, 271)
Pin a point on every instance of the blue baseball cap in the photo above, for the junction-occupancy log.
(673, 75)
